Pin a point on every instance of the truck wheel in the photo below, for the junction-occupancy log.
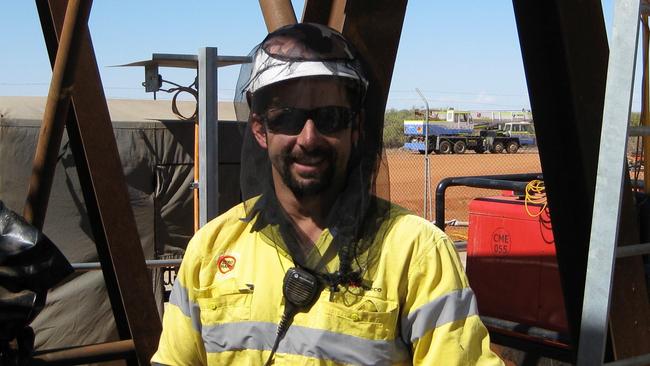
(459, 147)
(512, 147)
(445, 147)
(497, 148)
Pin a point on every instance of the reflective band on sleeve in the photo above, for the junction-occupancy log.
(453, 306)
(180, 298)
(316, 343)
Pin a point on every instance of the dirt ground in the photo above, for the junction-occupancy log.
(406, 171)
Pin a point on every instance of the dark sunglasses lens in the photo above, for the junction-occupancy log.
(291, 121)
(288, 120)
(332, 119)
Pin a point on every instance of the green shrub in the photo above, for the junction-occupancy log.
(394, 127)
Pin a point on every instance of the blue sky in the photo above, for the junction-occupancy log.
(462, 54)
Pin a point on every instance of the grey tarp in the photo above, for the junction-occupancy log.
(156, 150)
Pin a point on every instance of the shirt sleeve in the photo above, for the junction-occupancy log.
(440, 317)
(180, 341)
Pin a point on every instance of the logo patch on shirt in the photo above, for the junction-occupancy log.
(226, 263)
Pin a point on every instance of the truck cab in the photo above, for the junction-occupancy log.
(458, 116)
(463, 119)
(524, 130)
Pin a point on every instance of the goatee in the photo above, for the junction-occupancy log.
(318, 181)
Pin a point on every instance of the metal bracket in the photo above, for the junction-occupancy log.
(152, 79)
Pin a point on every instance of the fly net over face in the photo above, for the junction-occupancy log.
(294, 59)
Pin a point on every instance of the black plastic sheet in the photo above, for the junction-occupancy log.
(30, 264)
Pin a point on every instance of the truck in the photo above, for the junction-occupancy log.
(458, 133)
(524, 130)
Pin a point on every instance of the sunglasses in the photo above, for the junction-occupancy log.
(291, 121)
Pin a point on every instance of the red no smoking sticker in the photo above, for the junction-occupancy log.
(226, 263)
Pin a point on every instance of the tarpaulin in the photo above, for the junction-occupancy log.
(156, 150)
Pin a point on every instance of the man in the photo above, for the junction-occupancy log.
(314, 268)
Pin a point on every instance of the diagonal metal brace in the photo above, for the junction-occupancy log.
(104, 189)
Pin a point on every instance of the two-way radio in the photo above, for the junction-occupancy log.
(300, 289)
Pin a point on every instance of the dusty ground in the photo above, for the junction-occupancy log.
(406, 171)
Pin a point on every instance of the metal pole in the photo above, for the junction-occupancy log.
(632, 250)
(195, 189)
(85, 354)
(640, 131)
(426, 211)
(277, 13)
(609, 184)
(511, 182)
(208, 136)
(150, 263)
(56, 111)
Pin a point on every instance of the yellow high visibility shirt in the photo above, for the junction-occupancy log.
(227, 302)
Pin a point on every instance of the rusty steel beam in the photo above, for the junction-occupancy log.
(329, 12)
(317, 11)
(277, 13)
(56, 111)
(336, 19)
(565, 63)
(105, 194)
(375, 27)
(51, 42)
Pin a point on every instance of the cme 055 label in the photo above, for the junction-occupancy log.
(501, 241)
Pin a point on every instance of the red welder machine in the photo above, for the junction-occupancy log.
(511, 262)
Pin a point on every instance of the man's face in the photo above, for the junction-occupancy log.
(307, 159)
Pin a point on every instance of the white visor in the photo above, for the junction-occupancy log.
(269, 70)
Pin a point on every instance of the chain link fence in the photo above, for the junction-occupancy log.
(407, 180)
(408, 166)
(635, 162)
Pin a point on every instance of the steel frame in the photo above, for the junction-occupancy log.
(104, 189)
(612, 169)
(566, 66)
(208, 136)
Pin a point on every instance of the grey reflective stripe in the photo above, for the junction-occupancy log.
(180, 298)
(316, 343)
(453, 306)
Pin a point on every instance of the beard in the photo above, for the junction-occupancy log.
(312, 184)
